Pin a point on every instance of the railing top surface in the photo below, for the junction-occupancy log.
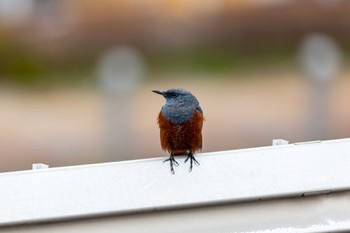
(147, 185)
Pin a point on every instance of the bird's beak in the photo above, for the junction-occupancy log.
(159, 92)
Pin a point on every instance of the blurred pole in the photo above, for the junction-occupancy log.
(120, 71)
(320, 60)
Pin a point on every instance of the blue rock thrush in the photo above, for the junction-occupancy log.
(180, 121)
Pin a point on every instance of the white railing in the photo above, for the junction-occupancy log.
(238, 177)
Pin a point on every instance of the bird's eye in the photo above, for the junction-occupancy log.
(173, 95)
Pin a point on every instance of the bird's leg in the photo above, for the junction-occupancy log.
(172, 163)
(192, 159)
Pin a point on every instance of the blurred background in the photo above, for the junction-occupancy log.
(76, 76)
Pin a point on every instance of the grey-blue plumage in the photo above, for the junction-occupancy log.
(180, 105)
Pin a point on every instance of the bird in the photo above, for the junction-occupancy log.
(180, 122)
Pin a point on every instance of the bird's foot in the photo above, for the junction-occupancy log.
(173, 163)
(192, 160)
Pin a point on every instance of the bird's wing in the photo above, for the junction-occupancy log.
(199, 109)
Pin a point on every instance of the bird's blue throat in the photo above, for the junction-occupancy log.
(178, 114)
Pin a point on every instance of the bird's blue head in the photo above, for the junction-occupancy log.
(180, 104)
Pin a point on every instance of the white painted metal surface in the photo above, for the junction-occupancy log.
(278, 142)
(36, 166)
(228, 177)
(325, 213)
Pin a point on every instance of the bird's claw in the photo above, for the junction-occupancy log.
(192, 160)
(173, 163)
(172, 160)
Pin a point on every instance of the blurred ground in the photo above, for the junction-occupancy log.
(62, 102)
(48, 126)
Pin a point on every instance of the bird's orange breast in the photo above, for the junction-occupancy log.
(183, 138)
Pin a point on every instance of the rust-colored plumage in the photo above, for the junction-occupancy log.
(183, 138)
